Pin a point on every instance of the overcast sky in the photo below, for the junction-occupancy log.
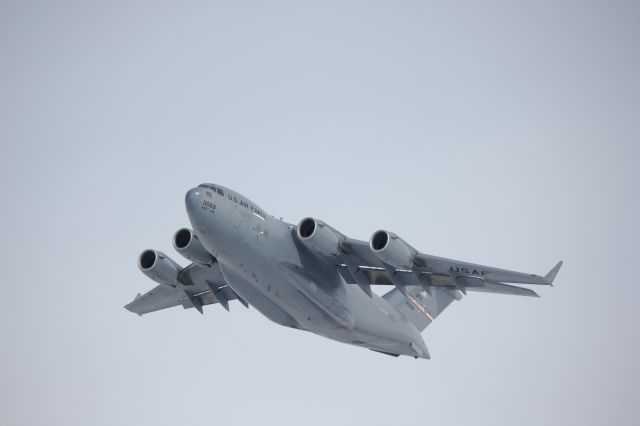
(495, 132)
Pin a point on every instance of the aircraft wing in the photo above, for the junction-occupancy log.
(361, 266)
(197, 286)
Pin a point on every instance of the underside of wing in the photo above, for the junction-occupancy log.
(160, 297)
(197, 286)
(359, 265)
(455, 268)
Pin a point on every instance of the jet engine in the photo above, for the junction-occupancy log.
(392, 249)
(159, 267)
(319, 237)
(188, 245)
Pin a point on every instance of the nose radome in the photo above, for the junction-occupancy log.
(193, 198)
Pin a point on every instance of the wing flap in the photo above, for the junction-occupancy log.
(488, 287)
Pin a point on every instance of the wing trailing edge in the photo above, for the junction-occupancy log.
(500, 288)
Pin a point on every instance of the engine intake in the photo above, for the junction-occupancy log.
(188, 245)
(392, 249)
(159, 267)
(319, 237)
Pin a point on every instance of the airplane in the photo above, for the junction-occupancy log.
(312, 277)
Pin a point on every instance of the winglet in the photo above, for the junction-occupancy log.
(552, 273)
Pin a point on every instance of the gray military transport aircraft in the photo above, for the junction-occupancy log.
(312, 277)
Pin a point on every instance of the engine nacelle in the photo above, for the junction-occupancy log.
(319, 236)
(392, 249)
(159, 267)
(188, 245)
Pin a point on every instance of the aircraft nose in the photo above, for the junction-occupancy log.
(193, 199)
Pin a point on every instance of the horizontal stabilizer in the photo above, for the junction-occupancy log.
(552, 273)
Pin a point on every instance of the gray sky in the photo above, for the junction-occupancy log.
(493, 132)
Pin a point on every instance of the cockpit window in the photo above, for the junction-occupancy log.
(211, 187)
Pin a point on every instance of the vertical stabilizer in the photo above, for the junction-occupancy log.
(418, 306)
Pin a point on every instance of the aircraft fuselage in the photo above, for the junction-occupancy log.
(261, 259)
